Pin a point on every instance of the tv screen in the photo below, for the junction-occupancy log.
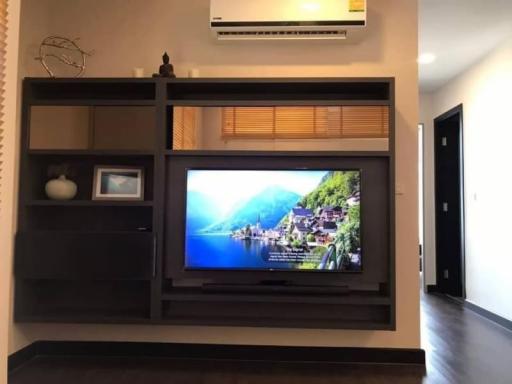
(286, 220)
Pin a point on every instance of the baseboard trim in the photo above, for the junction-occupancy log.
(505, 323)
(313, 355)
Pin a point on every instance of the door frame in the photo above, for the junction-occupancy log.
(437, 121)
(421, 197)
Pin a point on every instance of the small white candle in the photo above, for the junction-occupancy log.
(193, 72)
(138, 72)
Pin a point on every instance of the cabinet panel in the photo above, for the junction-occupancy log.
(84, 256)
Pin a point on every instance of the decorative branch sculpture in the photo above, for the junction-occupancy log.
(52, 43)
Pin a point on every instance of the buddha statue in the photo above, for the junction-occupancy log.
(166, 69)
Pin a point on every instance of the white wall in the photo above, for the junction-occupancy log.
(7, 174)
(484, 91)
(429, 250)
(34, 25)
(132, 33)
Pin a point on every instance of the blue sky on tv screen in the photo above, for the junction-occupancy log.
(226, 190)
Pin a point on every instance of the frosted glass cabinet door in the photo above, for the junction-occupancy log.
(92, 127)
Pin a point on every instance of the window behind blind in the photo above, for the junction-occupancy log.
(185, 128)
(310, 122)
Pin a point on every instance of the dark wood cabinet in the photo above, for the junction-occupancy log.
(88, 261)
(85, 256)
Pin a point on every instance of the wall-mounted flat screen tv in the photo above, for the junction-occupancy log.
(282, 220)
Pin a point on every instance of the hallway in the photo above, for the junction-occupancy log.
(461, 346)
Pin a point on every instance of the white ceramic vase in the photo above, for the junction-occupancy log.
(61, 188)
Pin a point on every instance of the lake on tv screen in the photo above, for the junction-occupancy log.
(273, 220)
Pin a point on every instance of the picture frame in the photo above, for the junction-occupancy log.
(118, 183)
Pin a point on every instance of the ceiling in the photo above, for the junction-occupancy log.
(459, 33)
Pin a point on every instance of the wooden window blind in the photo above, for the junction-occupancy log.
(184, 128)
(3, 44)
(305, 122)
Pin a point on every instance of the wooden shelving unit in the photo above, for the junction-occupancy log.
(85, 261)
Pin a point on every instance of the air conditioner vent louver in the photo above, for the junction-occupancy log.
(282, 35)
(287, 20)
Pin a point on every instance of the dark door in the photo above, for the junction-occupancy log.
(449, 208)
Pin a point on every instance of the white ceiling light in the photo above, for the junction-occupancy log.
(427, 58)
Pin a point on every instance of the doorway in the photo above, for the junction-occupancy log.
(449, 197)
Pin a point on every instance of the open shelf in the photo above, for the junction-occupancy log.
(80, 169)
(80, 102)
(88, 152)
(87, 203)
(70, 301)
(277, 90)
(92, 232)
(351, 298)
(277, 323)
(91, 316)
(272, 103)
(286, 314)
(195, 153)
(92, 90)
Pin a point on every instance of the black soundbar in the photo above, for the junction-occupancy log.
(275, 288)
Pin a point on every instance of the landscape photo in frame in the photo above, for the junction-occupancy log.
(287, 220)
(118, 183)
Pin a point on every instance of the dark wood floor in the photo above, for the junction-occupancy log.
(462, 348)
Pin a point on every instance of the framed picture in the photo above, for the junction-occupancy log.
(118, 183)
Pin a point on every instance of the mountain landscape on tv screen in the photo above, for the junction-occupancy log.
(270, 206)
(200, 211)
(278, 227)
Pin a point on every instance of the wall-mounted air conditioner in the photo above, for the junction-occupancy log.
(287, 19)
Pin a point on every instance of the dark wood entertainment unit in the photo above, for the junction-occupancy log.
(88, 261)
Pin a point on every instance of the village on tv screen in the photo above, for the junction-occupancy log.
(304, 220)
